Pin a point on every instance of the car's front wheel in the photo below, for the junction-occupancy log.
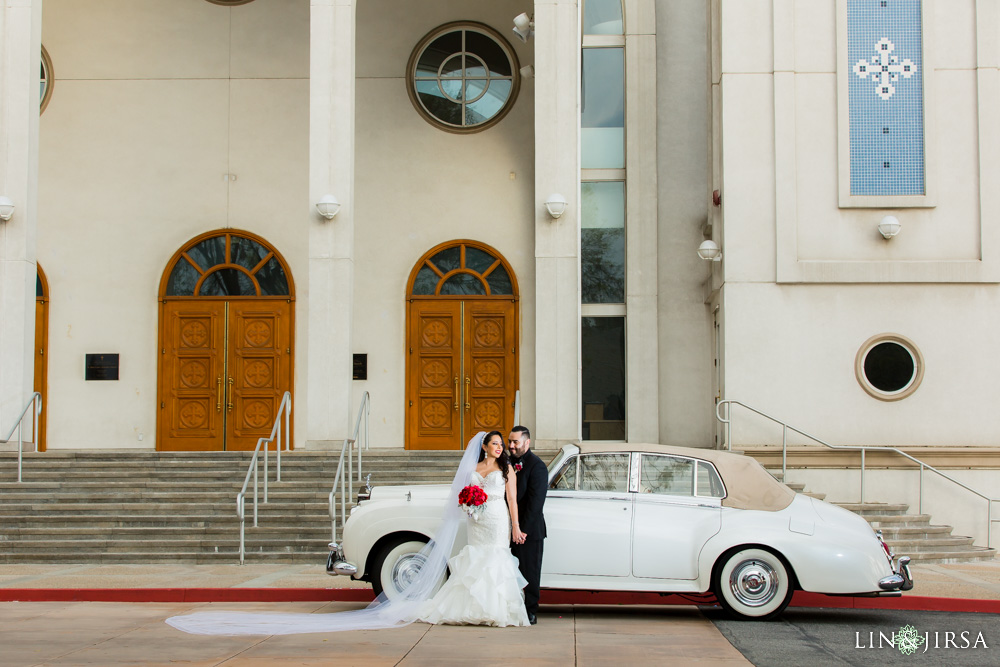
(753, 584)
(397, 565)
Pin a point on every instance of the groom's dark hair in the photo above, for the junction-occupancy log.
(522, 429)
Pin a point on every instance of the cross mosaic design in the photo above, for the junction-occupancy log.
(885, 68)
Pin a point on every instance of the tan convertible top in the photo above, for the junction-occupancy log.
(748, 485)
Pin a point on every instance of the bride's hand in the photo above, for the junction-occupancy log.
(518, 536)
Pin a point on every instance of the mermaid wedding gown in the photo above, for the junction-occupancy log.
(484, 585)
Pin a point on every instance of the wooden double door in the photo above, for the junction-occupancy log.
(225, 366)
(462, 370)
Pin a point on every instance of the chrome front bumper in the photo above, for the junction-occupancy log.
(900, 580)
(336, 565)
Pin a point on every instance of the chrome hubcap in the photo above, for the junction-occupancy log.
(754, 583)
(406, 570)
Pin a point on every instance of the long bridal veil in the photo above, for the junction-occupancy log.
(382, 612)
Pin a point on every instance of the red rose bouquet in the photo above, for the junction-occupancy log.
(472, 499)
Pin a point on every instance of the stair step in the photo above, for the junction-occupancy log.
(878, 509)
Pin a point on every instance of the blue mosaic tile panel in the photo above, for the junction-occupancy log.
(885, 95)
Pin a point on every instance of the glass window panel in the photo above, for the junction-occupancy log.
(602, 242)
(437, 105)
(709, 484)
(426, 281)
(889, 367)
(209, 253)
(182, 279)
(604, 472)
(475, 67)
(566, 477)
(602, 17)
(463, 283)
(246, 252)
(453, 67)
(38, 286)
(448, 259)
(667, 475)
(490, 52)
(602, 122)
(227, 282)
(452, 89)
(271, 278)
(603, 357)
(477, 260)
(499, 281)
(489, 104)
(437, 52)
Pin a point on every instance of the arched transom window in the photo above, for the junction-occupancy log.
(462, 269)
(227, 264)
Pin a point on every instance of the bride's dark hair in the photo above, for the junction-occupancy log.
(503, 460)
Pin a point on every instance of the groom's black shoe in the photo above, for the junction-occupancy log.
(532, 620)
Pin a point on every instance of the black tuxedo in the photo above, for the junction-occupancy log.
(532, 483)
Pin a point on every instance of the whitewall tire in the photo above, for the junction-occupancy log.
(396, 566)
(753, 584)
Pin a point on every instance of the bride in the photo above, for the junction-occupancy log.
(484, 587)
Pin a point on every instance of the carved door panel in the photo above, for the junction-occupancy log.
(490, 367)
(224, 368)
(40, 384)
(435, 375)
(192, 375)
(259, 369)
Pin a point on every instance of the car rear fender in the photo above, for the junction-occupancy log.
(372, 521)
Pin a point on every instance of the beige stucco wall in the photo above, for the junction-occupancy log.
(154, 103)
(807, 281)
(418, 186)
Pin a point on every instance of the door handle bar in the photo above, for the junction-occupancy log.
(218, 393)
(229, 403)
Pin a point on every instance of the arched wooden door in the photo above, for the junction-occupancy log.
(462, 345)
(226, 332)
(41, 350)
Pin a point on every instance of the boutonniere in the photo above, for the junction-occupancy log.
(518, 466)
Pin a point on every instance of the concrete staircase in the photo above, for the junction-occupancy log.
(166, 507)
(911, 534)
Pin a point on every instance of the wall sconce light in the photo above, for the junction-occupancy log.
(524, 26)
(328, 206)
(710, 250)
(556, 205)
(6, 208)
(527, 72)
(889, 227)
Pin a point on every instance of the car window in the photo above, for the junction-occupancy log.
(604, 472)
(709, 484)
(566, 477)
(668, 475)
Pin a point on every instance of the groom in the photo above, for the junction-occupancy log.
(532, 482)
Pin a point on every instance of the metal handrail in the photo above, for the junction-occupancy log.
(785, 427)
(285, 408)
(346, 482)
(36, 399)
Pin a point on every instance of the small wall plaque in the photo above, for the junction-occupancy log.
(101, 367)
(360, 366)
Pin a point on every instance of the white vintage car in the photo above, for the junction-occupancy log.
(651, 518)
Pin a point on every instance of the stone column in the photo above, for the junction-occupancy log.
(20, 53)
(557, 242)
(331, 242)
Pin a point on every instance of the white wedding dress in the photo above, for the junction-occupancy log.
(484, 584)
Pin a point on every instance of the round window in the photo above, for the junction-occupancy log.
(463, 77)
(45, 81)
(889, 367)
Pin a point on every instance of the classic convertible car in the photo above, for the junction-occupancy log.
(651, 518)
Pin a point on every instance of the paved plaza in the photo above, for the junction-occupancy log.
(134, 633)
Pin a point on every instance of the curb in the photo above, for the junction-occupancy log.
(549, 597)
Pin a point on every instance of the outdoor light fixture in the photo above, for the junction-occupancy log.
(524, 26)
(710, 250)
(6, 208)
(889, 227)
(556, 205)
(328, 206)
(527, 72)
